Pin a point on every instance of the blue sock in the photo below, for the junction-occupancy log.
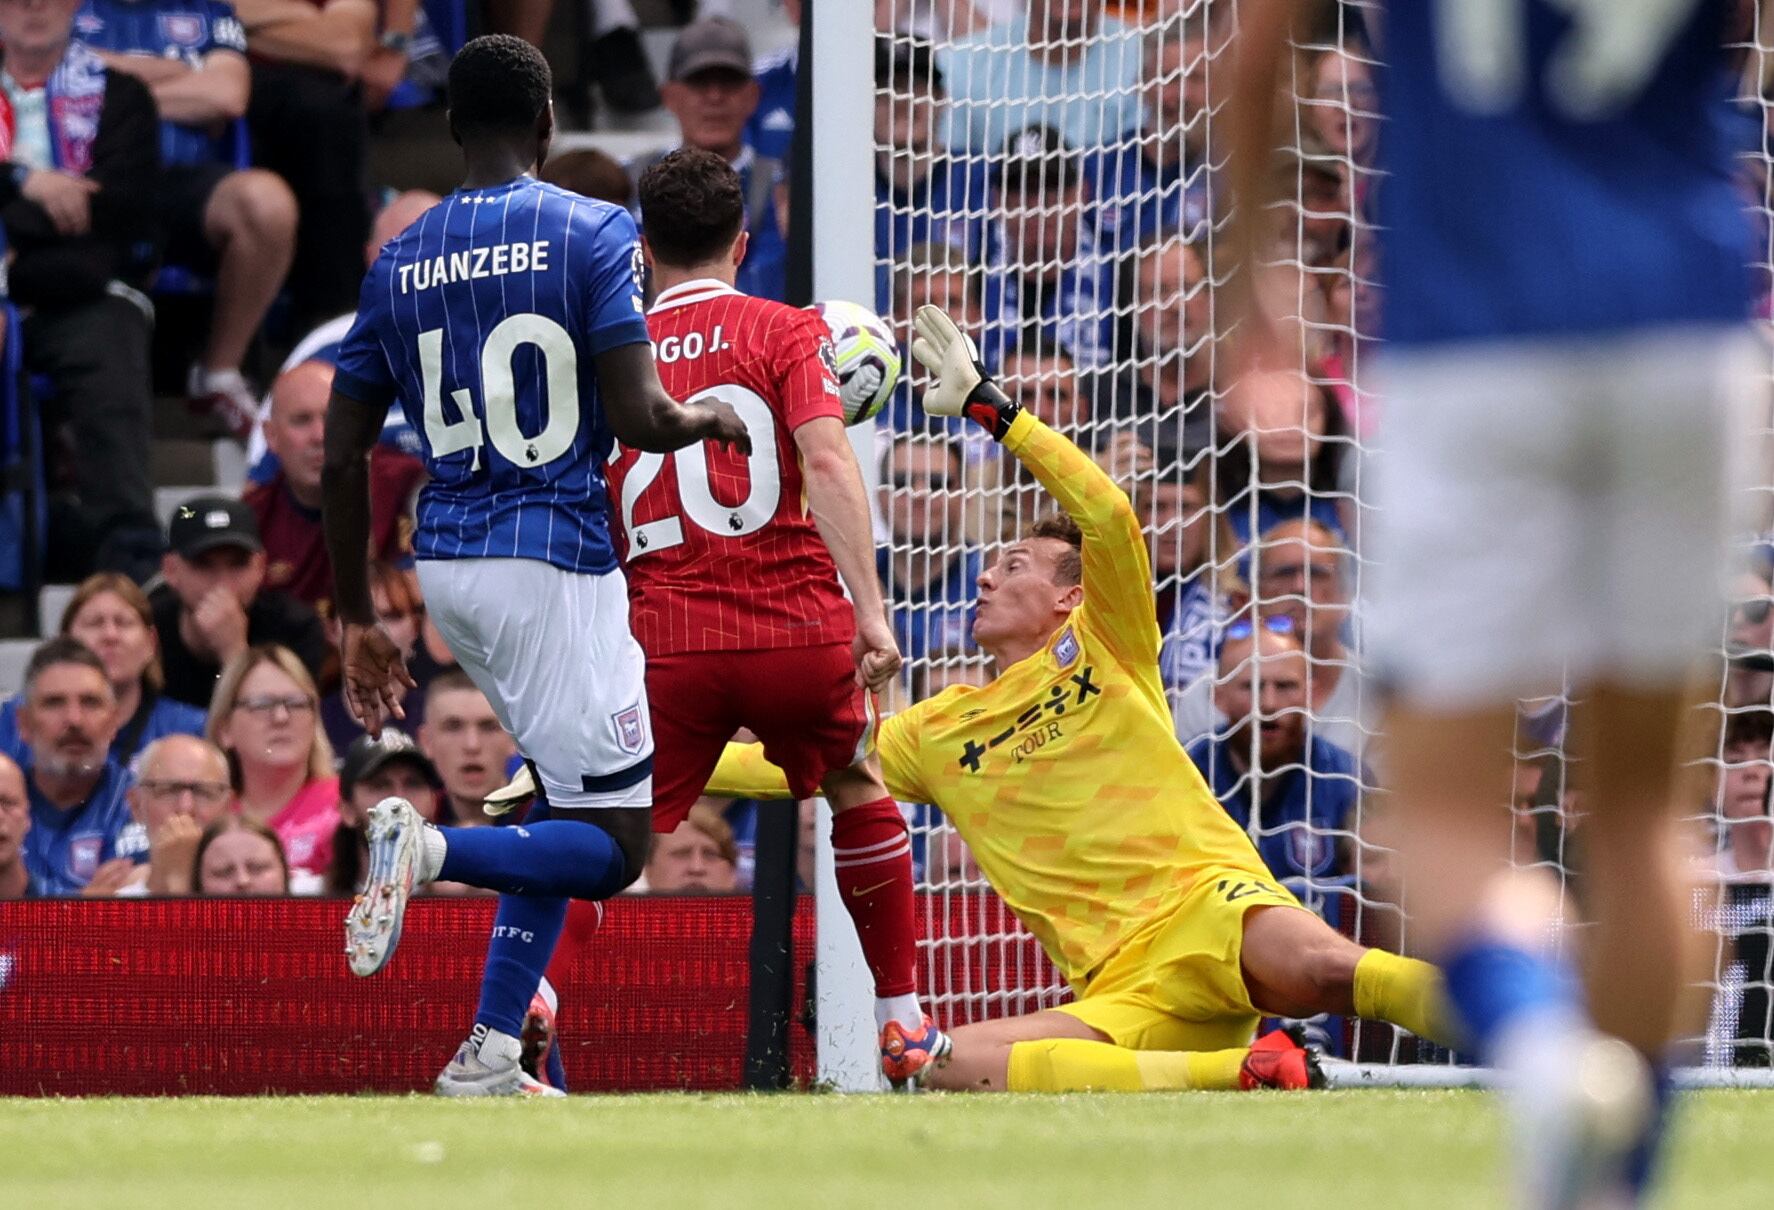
(1642, 1164)
(524, 933)
(552, 859)
(1492, 984)
(557, 1070)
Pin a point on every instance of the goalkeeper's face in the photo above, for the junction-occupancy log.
(1023, 596)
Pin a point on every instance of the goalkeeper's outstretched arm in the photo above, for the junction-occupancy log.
(1117, 570)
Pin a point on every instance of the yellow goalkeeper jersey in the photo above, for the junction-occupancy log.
(1063, 775)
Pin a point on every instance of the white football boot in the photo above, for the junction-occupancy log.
(1580, 1103)
(518, 792)
(372, 926)
(489, 1064)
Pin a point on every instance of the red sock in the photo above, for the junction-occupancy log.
(874, 865)
(583, 918)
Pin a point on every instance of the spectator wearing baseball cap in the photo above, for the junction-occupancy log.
(712, 93)
(213, 604)
(389, 765)
(1045, 271)
(922, 196)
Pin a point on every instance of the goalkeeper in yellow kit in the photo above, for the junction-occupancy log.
(1067, 782)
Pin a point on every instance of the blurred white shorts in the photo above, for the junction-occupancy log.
(552, 651)
(1555, 509)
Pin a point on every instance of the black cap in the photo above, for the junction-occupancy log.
(903, 64)
(369, 755)
(208, 522)
(1035, 160)
(713, 42)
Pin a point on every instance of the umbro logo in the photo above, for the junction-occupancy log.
(970, 715)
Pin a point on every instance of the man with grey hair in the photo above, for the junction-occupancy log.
(76, 791)
(181, 787)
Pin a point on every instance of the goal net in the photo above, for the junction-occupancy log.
(1050, 172)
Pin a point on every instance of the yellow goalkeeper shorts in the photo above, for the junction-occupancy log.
(1180, 984)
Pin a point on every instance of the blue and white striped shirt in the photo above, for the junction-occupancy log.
(484, 320)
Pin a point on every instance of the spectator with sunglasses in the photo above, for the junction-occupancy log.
(265, 716)
(1299, 573)
(1294, 792)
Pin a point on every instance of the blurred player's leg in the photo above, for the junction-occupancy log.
(1493, 580)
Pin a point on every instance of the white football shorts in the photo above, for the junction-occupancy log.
(1558, 507)
(552, 651)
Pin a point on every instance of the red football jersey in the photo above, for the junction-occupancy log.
(720, 549)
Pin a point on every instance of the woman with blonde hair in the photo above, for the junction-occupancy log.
(266, 716)
(112, 617)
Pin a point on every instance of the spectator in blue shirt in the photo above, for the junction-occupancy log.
(220, 218)
(1296, 794)
(928, 569)
(15, 826)
(1045, 269)
(772, 127)
(922, 196)
(111, 615)
(711, 91)
(1165, 370)
(1158, 179)
(77, 793)
(1059, 63)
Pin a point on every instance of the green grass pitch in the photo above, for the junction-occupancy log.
(1368, 1149)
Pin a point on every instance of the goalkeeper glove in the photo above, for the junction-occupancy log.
(962, 384)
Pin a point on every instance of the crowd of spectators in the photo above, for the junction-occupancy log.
(1046, 170)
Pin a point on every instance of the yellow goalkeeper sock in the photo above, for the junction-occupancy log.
(1407, 992)
(1076, 1065)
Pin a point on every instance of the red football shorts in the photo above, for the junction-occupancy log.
(802, 702)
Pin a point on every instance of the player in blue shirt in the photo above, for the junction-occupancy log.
(77, 793)
(1566, 368)
(508, 323)
(220, 217)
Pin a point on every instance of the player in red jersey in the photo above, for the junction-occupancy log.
(734, 565)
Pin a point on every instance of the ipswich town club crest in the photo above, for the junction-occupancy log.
(181, 29)
(631, 730)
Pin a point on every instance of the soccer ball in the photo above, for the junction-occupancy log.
(867, 358)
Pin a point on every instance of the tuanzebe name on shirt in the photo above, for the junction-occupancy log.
(495, 260)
